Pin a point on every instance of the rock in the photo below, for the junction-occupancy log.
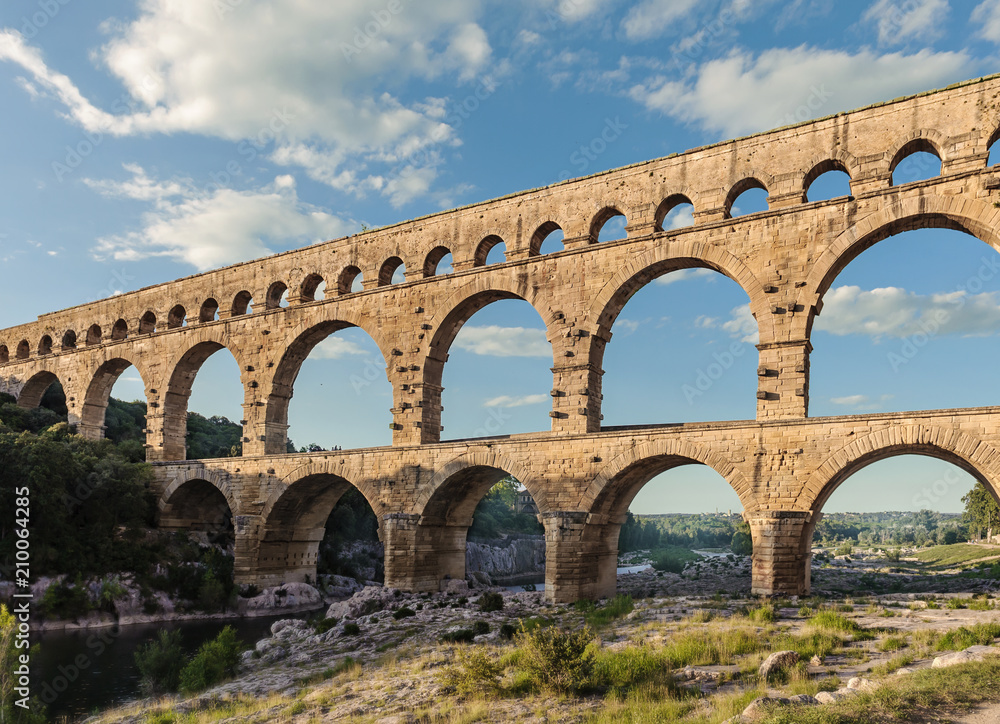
(816, 661)
(980, 650)
(831, 697)
(803, 700)
(959, 657)
(902, 671)
(290, 597)
(366, 601)
(286, 623)
(776, 662)
(860, 684)
(505, 558)
(454, 585)
(757, 709)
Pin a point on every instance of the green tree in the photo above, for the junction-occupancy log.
(742, 542)
(981, 513)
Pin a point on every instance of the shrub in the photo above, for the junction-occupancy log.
(620, 605)
(507, 631)
(480, 628)
(351, 629)
(216, 660)
(891, 643)
(892, 555)
(491, 602)
(963, 637)
(211, 593)
(65, 601)
(403, 612)
(845, 550)
(556, 660)
(324, 624)
(668, 561)
(458, 636)
(160, 662)
(763, 614)
(476, 672)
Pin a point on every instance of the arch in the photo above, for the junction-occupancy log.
(119, 330)
(23, 349)
(738, 189)
(601, 218)
(202, 500)
(274, 295)
(345, 282)
(308, 287)
(976, 457)
(178, 392)
(177, 317)
(608, 497)
(94, 334)
(820, 168)
(45, 345)
(241, 303)
(4, 354)
(434, 259)
(443, 499)
(666, 206)
(538, 238)
(34, 389)
(388, 269)
(95, 400)
(640, 271)
(69, 339)
(208, 310)
(484, 248)
(928, 211)
(287, 370)
(926, 141)
(147, 323)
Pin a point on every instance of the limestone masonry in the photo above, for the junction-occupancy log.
(784, 465)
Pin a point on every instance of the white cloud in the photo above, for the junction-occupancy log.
(208, 229)
(651, 18)
(495, 341)
(575, 10)
(334, 347)
(743, 93)
(682, 275)
(860, 402)
(626, 326)
(679, 218)
(517, 401)
(987, 17)
(910, 19)
(318, 83)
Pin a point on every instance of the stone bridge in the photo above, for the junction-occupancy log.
(783, 465)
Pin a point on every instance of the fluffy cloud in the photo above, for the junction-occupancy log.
(650, 18)
(899, 22)
(518, 401)
(211, 228)
(334, 347)
(987, 17)
(684, 275)
(495, 341)
(861, 402)
(743, 93)
(310, 78)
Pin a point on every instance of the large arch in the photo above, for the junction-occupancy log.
(453, 314)
(197, 499)
(294, 519)
(102, 380)
(33, 390)
(924, 211)
(175, 398)
(279, 394)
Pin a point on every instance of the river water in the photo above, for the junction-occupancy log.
(77, 672)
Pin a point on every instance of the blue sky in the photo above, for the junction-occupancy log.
(144, 141)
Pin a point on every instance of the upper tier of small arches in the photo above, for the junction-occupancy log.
(418, 263)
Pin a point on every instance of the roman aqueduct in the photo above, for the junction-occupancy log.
(582, 476)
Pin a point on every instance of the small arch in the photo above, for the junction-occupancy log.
(209, 310)
(993, 149)
(388, 273)
(120, 330)
(542, 234)
(35, 388)
(433, 261)
(147, 323)
(23, 349)
(484, 249)
(198, 505)
(177, 317)
(94, 335)
(675, 207)
(95, 400)
(748, 184)
(600, 221)
(916, 160)
(242, 304)
(45, 345)
(275, 298)
(309, 287)
(69, 339)
(4, 354)
(350, 280)
(833, 178)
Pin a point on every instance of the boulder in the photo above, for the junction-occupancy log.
(757, 709)
(831, 697)
(776, 662)
(816, 661)
(366, 601)
(290, 597)
(860, 684)
(958, 657)
(803, 700)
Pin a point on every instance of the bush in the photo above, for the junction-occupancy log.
(458, 636)
(480, 628)
(764, 613)
(476, 672)
(892, 555)
(160, 662)
(617, 607)
(403, 612)
(507, 631)
(211, 593)
(963, 637)
(215, 661)
(324, 625)
(491, 602)
(65, 601)
(351, 629)
(668, 561)
(556, 660)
